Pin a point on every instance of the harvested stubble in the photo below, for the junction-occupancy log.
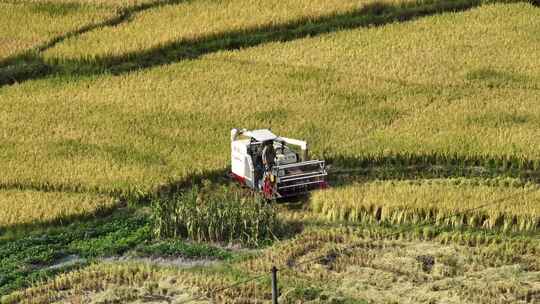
(365, 264)
(377, 269)
(441, 202)
(133, 282)
(30, 207)
(111, 283)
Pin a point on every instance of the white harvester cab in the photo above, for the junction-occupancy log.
(269, 164)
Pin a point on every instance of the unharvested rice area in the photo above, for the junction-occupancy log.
(30, 207)
(135, 131)
(26, 25)
(443, 202)
(195, 20)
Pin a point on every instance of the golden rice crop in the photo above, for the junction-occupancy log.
(322, 241)
(29, 207)
(442, 203)
(42, 22)
(101, 3)
(458, 89)
(193, 20)
(456, 85)
(141, 129)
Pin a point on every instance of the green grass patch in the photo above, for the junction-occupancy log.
(33, 256)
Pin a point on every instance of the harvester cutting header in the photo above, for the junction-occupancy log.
(268, 164)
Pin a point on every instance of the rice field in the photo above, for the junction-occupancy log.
(135, 131)
(191, 20)
(20, 207)
(431, 106)
(441, 202)
(42, 23)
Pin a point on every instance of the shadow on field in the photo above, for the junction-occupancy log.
(123, 15)
(27, 66)
(216, 176)
(118, 229)
(509, 171)
(343, 170)
(55, 187)
(62, 221)
(123, 199)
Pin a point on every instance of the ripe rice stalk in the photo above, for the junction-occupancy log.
(20, 207)
(43, 22)
(443, 204)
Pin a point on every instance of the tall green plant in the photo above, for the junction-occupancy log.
(215, 214)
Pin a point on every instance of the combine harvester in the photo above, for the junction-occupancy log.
(267, 164)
